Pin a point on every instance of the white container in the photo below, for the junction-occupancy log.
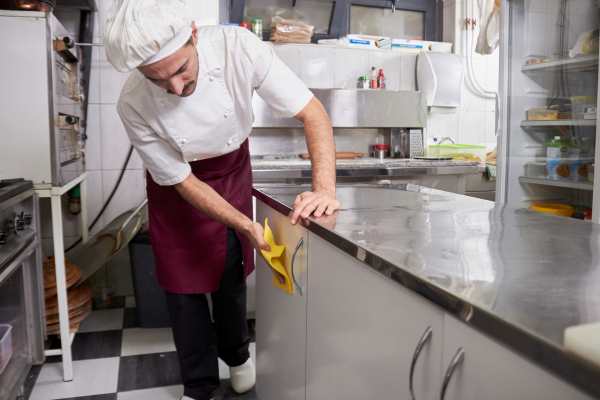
(6, 349)
(440, 77)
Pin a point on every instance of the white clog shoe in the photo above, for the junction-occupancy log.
(243, 378)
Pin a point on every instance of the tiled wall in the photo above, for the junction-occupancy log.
(331, 67)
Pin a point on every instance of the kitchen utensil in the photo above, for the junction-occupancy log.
(339, 155)
(433, 158)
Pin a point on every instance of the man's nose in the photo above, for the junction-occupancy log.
(175, 86)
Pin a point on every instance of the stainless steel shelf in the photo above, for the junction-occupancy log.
(562, 184)
(559, 122)
(579, 64)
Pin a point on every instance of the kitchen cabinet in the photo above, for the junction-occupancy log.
(281, 318)
(491, 371)
(363, 330)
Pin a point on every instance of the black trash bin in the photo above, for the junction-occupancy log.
(151, 304)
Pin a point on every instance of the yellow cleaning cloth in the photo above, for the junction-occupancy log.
(276, 259)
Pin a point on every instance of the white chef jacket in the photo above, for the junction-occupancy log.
(169, 131)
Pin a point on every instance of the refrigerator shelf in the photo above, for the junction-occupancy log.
(579, 64)
(558, 122)
(562, 184)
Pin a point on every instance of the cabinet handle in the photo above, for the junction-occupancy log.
(298, 246)
(425, 338)
(456, 361)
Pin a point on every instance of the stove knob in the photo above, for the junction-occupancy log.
(19, 222)
(3, 237)
(28, 218)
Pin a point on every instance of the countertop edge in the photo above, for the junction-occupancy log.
(565, 365)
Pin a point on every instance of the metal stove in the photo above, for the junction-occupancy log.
(21, 285)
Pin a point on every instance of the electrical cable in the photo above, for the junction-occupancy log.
(108, 200)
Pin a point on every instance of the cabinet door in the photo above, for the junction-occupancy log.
(281, 318)
(363, 330)
(493, 372)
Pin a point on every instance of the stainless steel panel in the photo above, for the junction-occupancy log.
(30, 102)
(517, 276)
(355, 109)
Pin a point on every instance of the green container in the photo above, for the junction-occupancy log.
(470, 152)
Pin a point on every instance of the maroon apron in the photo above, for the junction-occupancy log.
(190, 247)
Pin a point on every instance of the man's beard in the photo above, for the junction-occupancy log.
(189, 88)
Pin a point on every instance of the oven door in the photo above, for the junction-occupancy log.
(21, 308)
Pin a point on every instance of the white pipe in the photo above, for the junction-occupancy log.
(467, 37)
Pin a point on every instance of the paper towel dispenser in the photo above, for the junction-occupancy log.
(439, 78)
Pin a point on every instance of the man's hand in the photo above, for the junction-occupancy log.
(255, 233)
(314, 203)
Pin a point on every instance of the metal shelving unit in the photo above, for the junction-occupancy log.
(565, 81)
(558, 123)
(579, 64)
(554, 183)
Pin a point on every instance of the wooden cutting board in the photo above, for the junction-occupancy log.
(339, 155)
(77, 297)
(73, 275)
(75, 315)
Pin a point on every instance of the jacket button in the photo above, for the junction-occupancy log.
(226, 115)
(211, 79)
(229, 142)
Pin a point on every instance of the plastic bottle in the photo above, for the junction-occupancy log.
(380, 79)
(556, 167)
(373, 82)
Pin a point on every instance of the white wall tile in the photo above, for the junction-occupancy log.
(111, 81)
(95, 199)
(115, 143)
(129, 195)
(93, 144)
(94, 93)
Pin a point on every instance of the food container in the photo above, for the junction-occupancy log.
(381, 151)
(559, 209)
(6, 349)
(542, 114)
(466, 152)
(567, 169)
(591, 173)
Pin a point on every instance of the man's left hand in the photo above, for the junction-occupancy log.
(314, 203)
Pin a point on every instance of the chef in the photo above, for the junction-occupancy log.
(187, 109)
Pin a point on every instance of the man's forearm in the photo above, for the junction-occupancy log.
(321, 146)
(206, 199)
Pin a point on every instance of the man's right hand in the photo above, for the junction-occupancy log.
(255, 233)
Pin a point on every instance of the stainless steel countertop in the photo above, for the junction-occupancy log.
(291, 168)
(518, 276)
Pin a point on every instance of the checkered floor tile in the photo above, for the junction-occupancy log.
(116, 359)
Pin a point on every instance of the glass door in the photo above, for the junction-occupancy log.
(550, 89)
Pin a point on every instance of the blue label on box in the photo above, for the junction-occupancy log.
(408, 46)
(360, 41)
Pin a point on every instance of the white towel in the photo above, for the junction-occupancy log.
(489, 33)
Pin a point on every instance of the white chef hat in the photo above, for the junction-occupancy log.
(141, 32)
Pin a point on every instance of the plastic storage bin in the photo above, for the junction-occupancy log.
(150, 301)
(469, 152)
(6, 349)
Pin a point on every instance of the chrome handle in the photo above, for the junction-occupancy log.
(456, 361)
(298, 246)
(425, 338)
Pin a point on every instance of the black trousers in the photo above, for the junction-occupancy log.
(200, 339)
